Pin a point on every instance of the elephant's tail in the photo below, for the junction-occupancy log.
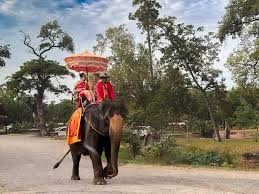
(59, 162)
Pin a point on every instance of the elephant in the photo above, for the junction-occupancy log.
(102, 131)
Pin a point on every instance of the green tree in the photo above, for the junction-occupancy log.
(147, 15)
(155, 102)
(4, 54)
(242, 19)
(36, 76)
(16, 108)
(195, 54)
(170, 101)
(245, 116)
(244, 61)
(59, 112)
(129, 62)
(239, 15)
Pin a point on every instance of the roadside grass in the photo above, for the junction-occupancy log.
(233, 147)
(2, 189)
(236, 146)
(125, 157)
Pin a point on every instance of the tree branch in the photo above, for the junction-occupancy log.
(27, 41)
(48, 49)
(193, 77)
(254, 66)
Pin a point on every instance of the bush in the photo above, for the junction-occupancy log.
(160, 150)
(204, 128)
(21, 126)
(136, 117)
(209, 158)
(133, 141)
(166, 151)
(245, 116)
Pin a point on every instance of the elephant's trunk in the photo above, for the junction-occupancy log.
(115, 132)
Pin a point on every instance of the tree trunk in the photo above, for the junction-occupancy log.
(216, 130)
(150, 52)
(227, 131)
(40, 112)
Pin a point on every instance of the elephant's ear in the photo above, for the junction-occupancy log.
(104, 109)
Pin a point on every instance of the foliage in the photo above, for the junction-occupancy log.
(133, 141)
(205, 152)
(50, 36)
(167, 150)
(129, 64)
(160, 149)
(241, 19)
(239, 14)
(243, 62)
(243, 106)
(245, 116)
(201, 126)
(60, 112)
(194, 54)
(35, 77)
(196, 156)
(136, 116)
(153, 101)
(16, 108)
(4, 54)
(169, 101)
(146, 16)
(21, 126)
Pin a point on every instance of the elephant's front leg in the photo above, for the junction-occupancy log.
(94, 142)
(98, 170)
(108, 169)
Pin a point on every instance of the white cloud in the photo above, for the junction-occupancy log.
(7, 6)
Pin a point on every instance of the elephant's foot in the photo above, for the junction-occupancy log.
(107, 172)
(99, 181)
(75, 177)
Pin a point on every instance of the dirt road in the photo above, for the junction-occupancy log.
(26, 167)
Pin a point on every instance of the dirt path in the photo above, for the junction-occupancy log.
(26, 167)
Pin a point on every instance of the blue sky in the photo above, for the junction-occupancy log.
(83, 19)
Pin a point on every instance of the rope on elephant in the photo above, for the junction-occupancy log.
(91, 125)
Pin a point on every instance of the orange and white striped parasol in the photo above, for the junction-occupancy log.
(86, 62)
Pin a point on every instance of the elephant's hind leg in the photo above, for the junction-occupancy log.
(75, 171)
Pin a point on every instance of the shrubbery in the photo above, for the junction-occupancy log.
(166, 151)
(160, 149)
(195, 156)
(22, 126)
(133, 141)
(202, 127)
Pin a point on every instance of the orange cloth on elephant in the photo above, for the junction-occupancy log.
(74, 133)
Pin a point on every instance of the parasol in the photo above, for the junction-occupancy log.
(86, 62)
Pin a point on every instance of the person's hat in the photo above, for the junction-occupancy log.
(81, 73)
(104, 75)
